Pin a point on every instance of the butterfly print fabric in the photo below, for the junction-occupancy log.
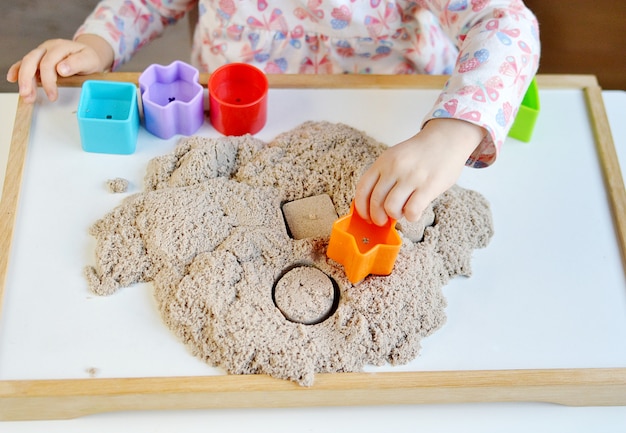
(489, 48)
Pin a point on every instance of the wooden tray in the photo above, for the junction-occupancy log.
(68, 398)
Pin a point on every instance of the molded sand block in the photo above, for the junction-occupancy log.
(527, 114)
(310, 217)
(108, 117)
(172, 99)
(363, 248)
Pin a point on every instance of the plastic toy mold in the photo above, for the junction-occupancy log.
(172, 99)
(108, 117)
(238, 99)
(363, 248)
(524, 122)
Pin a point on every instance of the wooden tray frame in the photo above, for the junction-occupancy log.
(62, 399)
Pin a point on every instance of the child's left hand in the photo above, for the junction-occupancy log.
(59, 58)
(407, 177)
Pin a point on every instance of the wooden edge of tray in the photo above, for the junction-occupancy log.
(64, 399)
(70, 398)
(295, 81)
(613, 180)
(12, 186)
(356, 81)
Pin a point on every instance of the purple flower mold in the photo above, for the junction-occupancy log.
(172, 99)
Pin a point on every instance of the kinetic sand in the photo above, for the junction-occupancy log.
(234, 285)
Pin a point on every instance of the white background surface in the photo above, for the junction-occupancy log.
(541, 351)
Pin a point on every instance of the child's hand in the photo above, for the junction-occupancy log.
(407, 177)
(59, 57)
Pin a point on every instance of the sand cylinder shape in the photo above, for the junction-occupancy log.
(306, 295)
(172, 99)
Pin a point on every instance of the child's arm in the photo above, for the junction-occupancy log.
(109, 36)
(128, 25)
(408, 176)
(59, 57)
(498, 57)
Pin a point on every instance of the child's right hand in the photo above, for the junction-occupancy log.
(59, 57)
(407, 177)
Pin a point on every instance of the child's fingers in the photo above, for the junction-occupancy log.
(56, 53)
(416, 205)
(378, 199)
(27, 92)
(380, 196)
(363, 192)
(13, 71)
(395, 202)
(48, 58)
(79, 62)
(26, 76)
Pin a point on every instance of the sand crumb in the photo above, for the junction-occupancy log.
(209, 233)
(117, 185)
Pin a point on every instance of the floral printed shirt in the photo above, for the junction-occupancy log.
(490, 48)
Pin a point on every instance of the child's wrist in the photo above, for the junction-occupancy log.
(455, 132)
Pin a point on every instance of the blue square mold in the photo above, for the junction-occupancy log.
(108, 117)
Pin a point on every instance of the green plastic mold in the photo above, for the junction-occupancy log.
(527, 114)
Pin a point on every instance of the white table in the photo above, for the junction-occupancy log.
(510, 417)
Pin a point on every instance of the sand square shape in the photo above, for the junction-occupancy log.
(310, 217)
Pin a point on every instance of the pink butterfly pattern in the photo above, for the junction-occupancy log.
(341, 17)
(226, 9)
(451, 109)
(312, 11)
(488, 91)
(489, 48)
(140, 19)
(276, 22)
(316, 66)
(379, 26)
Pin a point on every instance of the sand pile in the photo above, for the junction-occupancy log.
(242, 294)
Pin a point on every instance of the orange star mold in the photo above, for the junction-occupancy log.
(363, 248)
